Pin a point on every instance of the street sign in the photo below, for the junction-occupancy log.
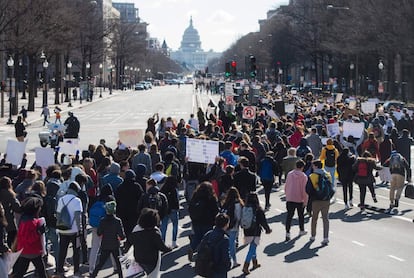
(249, 112)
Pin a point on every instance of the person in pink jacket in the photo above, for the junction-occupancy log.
(296, 197)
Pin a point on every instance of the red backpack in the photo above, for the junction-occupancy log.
(362, 170)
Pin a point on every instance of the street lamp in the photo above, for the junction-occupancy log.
(330, 78)
(110, 79)
(22, 78)
(100, 79)
(88, 67)
(10, 64)
(45, 66)
(351, 68)
(380, 84)
(69, 66)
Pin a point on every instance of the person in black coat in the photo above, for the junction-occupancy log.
(20, 130)
(127, 196)
(244, 180)
(170, 190)
(346, 174)
(403, 145)
(147, 242)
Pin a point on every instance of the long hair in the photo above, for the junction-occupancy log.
(204, 191)
(6, 184)
(253, 200)
(232, 197)
(3, 220)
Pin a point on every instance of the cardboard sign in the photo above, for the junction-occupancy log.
(352, 104)
(339, 97)
(202, 151)
(354, 129)
(279, 106)
(44, 157)
(15, 151)
(332, 130)
(131, 137)
(368, 107)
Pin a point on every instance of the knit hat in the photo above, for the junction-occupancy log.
(115, 168)
(110, 207)
(130, 175)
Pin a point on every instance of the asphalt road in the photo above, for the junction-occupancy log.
(369, 244)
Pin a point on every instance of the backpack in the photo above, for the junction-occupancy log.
(154, 202)
(362, 169)
(330, 157)
(63, 219)
(396, 162)
(248, 217)
(204, 263)
(96, 213)
(50, 203)
(324, 190)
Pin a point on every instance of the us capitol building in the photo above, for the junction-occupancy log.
(190, 54)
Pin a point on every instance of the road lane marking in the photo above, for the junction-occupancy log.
(396, 258)
(358, 243)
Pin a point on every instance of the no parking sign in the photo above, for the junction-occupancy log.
(249, 112)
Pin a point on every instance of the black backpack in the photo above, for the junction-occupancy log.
(330, 158)
(204, 263)
(154, 201)
(197, 210)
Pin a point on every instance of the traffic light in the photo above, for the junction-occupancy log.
(253, 67)
(233, 65)
(227, 70)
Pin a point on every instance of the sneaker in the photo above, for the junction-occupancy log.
(375, 199)
(325, 241)
(287, 237)
(346, 206)
(235, 265)
(396, 203)
(190, 255)
(350, 203)
(302, 233)
(174, 245)
(312, 238)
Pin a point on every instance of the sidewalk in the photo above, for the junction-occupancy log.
(34, 116)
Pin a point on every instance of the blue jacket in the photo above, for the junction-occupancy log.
(230, 157)
(113, 179)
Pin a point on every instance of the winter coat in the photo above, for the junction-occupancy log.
(261, 223)
(245, 182)
(403, 146)
(315, 143)
(267, 169)
(147, 245)
(371, 166)
(10, 205)
(111, 230)
(220, 245)
(344, 167)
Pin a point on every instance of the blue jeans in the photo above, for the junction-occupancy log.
(174, 220)
(331, 171)
(53, 236)
(232, 244)
(251, 254)
(199, 232)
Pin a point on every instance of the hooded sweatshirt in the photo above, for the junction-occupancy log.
(295, 187)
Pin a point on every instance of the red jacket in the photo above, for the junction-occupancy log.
(29, 236)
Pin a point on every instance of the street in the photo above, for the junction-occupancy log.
(368, 244)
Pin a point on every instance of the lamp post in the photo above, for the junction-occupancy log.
(45, 66)
(100, 79)
(330, 77)
(110, 79)
(380, 83)
(138, 74)
(351, 83)
(22, 78)
(69, 66)
(10, 64)
(88, 66)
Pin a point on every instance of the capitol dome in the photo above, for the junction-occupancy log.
(191, 40)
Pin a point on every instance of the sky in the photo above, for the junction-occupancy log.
(219, 22)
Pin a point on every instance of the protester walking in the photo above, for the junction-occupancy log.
(346, 175)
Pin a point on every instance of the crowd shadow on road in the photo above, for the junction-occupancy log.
(274, 249)
(371, 213)
(169, 260)
(304, 253)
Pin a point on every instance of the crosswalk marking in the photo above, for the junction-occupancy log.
(396, 258)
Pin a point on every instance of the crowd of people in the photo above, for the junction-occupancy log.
(126, 197)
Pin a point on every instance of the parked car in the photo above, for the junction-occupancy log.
(393, 103)
(139, 87)
(148, 84)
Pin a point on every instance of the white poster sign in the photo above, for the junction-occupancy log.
(397, 114)
(202, 151)
(319, 106)
(352, 104)
(15, 151)
(354, 129)
(339, 97)
(368, 107)
(290, 108)
(376, 100)
(332, 129)
(272, 114)
(131, 137)
(44, 157)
